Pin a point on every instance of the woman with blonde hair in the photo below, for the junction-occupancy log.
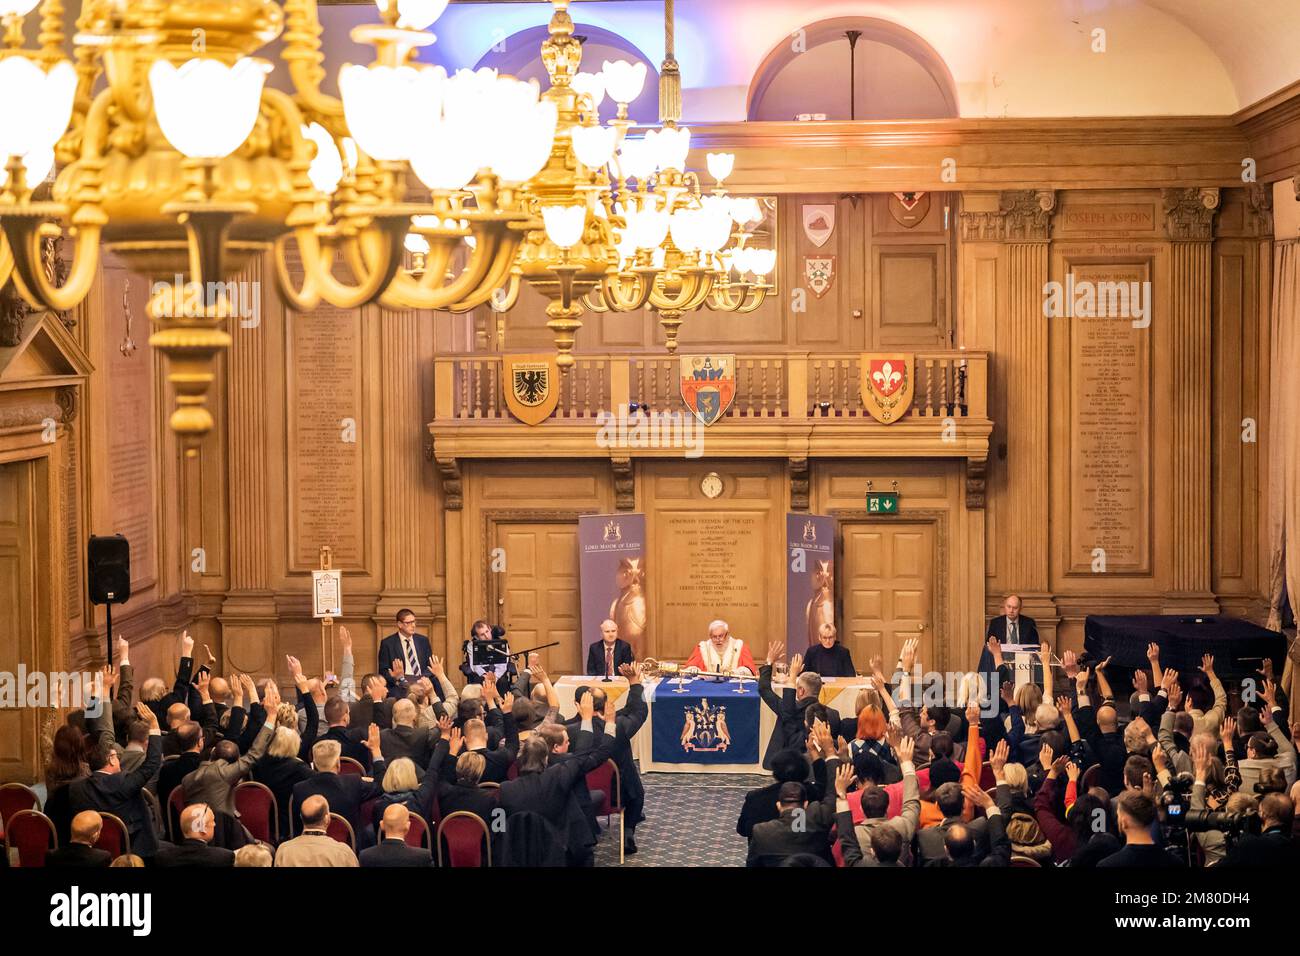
(128, 860)
(280, 768)
(403, 784)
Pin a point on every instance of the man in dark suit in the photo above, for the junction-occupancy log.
(1274, 846)
(375, 707)
(788, 766)
(1009, 627)
(791, 731)
(82, 852)
(930, 841)
(628, 722)
(351, 740)
(608, 654)
(404, 645)
(198, 827)
(799, 828)
(404, 739)
(109, 790)
(546, 787)
(344, 791)
(391, 850)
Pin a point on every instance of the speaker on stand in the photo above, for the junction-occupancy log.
(108, 572)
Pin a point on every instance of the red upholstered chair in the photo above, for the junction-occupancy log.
(258, 810)
(13, 798)
(418, 835)
(341, 830)
(987, 780)
(348, 765)
(1025, 862)
(512, 772)
(32, 834)
(114, 837)
(605, 778)
(175, 804)
(466, 838)
(492, 789)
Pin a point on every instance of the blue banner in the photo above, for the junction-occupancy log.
(707, 722)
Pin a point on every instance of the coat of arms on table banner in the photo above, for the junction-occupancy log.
(819, 273)
(818, 223)
(887, 385)
(708, 385)
(705, 728)
(532, 386)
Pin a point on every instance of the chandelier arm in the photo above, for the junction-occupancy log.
(6, 261)
(694, 291)
(595, 300)
(496, 279)
(757, 297)
(302, 53)
(384, 241)
(301, 300)
(24, 241)
(499, 303)
(432, 291)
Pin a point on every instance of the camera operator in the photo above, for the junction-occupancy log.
(1274, 845)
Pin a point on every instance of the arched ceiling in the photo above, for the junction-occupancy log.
(1015, 58)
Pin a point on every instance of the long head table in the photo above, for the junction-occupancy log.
(747, 722)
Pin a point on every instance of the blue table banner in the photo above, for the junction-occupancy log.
(707, 722)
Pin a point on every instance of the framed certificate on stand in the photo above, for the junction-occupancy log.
(327, 593)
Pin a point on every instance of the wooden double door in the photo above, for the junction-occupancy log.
(536, 593)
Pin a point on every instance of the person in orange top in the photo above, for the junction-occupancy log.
(972, 769)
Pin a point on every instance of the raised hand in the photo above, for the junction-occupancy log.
(187, 644)
(508, 702)
(825, 742)
(1045, 756)
(1081, 679)
(877, 670)
(1175, 692)
(909, 654)
(999, 759)
(1200, 760)
(995, 650)
(345, 639)
(1102, 665)
(539, 672)
(796, 666)
(1269, 693)
(904, 750)
(236, 690)
(586, 707)
(202, 682)
(1153, 653)
(1065, 706)
(975, 795)
(1168, 679)
(124, 649)
(1228, 733)
(1207, 664)
(444, 725)
(372, 741)
(973, 710)
(843, 777)
(1007, 693)
(1141, 683)
(631, 671)
(271, 697)
(455, 742)
(1160, 759)
(1266, 671)
(147, 715)
(1058, 765)
(1070, 661)
(397, 668)
(775, 651)
(250, 688)
(1072, 770)
(610, 713)
(295, 667)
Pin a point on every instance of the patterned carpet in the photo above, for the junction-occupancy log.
(690, 821)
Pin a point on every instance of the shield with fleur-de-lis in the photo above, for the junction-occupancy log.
(887, 380)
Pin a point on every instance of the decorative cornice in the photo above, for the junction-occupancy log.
(31, 415)
(1189, 213)
(452, 490)
(624, 484)
(13, 313)
(799, 484)
(1024, 215)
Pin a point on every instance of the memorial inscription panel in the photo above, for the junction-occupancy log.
(1110, 432)
(326, 469)
(713, 565)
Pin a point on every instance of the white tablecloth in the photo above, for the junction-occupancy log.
(839, 693)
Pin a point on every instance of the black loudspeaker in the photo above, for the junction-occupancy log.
(108, 569)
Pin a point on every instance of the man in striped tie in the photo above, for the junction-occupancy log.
(404, 655)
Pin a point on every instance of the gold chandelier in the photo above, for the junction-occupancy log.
(186, 164)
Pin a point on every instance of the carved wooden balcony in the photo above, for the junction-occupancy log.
(786, 406)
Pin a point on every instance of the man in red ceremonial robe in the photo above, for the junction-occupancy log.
(722, 653)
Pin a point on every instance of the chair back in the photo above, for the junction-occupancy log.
(987, 780)
(341, 830)
(175, 804)
(15, 797)
(605, 779)
(114, 836)
(512, 772)
(466, 840)
(492, 789)
(1025, 862)
(348, 765)
(32, 834)
(258, 810)
(418, 835)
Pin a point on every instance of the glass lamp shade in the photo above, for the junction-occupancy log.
(745, 209)
(635, 160)
(715, 223)
(388, 108)
(762, 261)
(416, 243)
(593, 85)
(531, 139)
(564, 224)
(669, 147)
(623, 80)
(685, 227)
(35, 105)
(444, 157)
(594, 144)
(327, 168)
(207, 109)
(721, 165)
(652, 228)
(415, 14)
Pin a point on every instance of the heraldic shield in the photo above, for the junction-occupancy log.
(532, 386)
(887, 380)
(708, 385)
